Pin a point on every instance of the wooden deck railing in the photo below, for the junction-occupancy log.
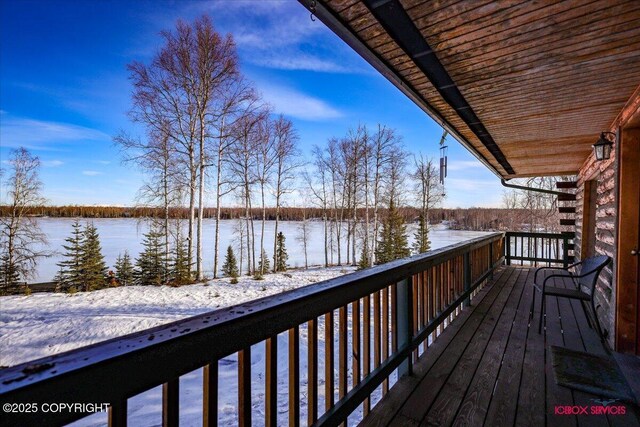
(538, 249)
(386, 316)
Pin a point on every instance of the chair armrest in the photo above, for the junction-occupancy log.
(572, 265)
(544, 283)
(535, 276)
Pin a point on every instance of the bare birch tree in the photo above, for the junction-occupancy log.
(429, 193)
(285, 165)
(21, 240)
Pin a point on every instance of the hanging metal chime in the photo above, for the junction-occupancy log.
(443, 157)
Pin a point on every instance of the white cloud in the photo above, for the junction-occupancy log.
(91, 173)
(103, 162)
(52, 163)
(457, 165)
(44, 135)
(278, 34)
(291, 102)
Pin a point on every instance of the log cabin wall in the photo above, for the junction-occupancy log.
(604, 174)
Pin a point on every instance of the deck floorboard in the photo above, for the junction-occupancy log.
(491, 366)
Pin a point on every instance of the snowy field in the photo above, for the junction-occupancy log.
(118, 235)
(44, 324)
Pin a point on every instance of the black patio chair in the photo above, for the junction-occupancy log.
(579, 285)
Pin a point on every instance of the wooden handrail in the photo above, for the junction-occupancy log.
(117, 369)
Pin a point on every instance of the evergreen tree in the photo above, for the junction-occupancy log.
(94, 270)
(421, 243)
(263, 265)
(282, 253)
(364, 258)
(230, 266)
(180, 268)
(151, 262)
(393, 238)
(70, 273)
(124, 269)
(9, 275)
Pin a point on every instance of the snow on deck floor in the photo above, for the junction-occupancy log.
(43, 324)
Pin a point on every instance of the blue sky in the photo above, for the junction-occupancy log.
(64, 89)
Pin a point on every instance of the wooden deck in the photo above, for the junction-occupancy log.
(489, 367)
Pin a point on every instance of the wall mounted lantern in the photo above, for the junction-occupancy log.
(602, 148)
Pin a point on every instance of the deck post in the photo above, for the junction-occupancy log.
(467, 276)
(491, 260)
(565, 251)
(404, 318)
(507, 249)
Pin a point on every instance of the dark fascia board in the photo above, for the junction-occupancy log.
(335, 24)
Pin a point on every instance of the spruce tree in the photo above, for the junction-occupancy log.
(9, 276)
(393, 238)
(282, 253)
(69, 276)
(124, 269)
(151, 262)
(364, 258)
(180, 268)
(230, 266)
(94, 270)
(421, 243)
(263, 265)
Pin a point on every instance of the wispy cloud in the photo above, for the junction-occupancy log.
(291, 102)
(44, 135)
(457, 165)
(52, 163)
(279, 34)
(91, 173)
(103, 162)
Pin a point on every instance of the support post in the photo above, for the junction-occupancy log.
(565, 251)
(404, 320)
(507, 249)
(467, 277)
(491, 260)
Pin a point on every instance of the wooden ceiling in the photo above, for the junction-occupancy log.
(544, 77)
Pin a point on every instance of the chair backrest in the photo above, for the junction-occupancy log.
(590, 270)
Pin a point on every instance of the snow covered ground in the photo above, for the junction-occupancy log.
(43, 324)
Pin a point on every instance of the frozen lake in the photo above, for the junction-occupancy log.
(118, 235)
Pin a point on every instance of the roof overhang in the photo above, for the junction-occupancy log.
(525, 86)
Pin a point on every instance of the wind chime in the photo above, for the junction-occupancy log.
(443, 156)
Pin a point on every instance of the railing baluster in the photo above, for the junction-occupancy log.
(170, 403)
(118, 414)
(385, 334)
(294, 377)
(244, 387)
(210, 395)
(377, 334)
(312, 373)
(414, 311)
(342, 353)
(328, 361)
(271, 382)
(366, 347)
(425, 306)
(394, 319)
(355, 341)
(404, 320)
